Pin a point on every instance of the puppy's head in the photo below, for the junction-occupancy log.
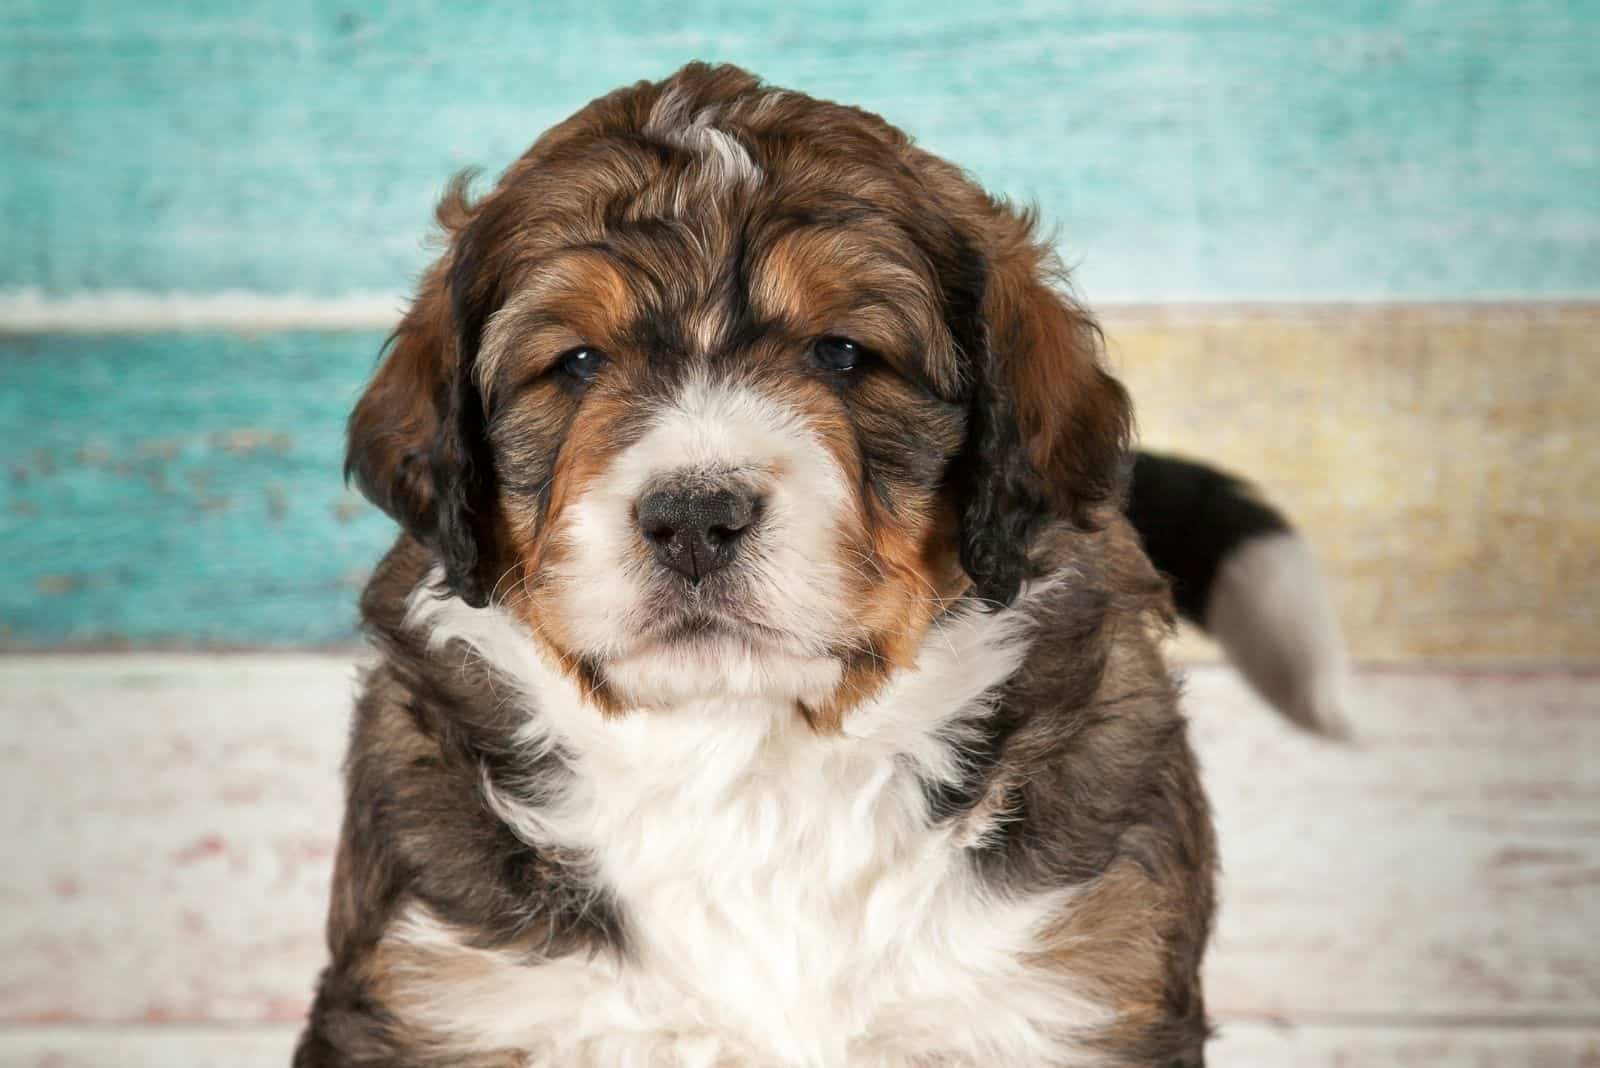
(725, 390)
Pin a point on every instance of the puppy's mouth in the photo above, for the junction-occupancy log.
(694, 654)
(700, 628)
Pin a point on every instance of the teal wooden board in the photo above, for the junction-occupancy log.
(1225, 151)
(181, 489)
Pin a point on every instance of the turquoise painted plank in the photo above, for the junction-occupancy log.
(1236, 149)
(181, 489)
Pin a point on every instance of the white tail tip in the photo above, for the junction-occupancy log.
(1270, 610)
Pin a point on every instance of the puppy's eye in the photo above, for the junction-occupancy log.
(582, 364)
(839, 354)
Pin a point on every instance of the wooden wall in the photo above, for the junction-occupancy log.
(1349, 249)
(1282, 174)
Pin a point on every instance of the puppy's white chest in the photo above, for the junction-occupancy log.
(785, 896)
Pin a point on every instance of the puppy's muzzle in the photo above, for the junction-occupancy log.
(694, 528)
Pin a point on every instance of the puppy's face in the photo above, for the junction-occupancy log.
(727, 391)
(721, 426)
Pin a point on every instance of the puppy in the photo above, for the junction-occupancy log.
(768, 673)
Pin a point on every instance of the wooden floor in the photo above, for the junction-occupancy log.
(1429, 895)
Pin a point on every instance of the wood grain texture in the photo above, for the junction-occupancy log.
(184, 489)
(1299, 150)
(149, 1047)
(178, 813)
(1446, 865)
(178, 817)
(1240, 1045)
(1445, 461)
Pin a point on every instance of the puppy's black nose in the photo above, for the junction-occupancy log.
(695, 531)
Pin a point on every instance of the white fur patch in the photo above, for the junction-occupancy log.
(724, 160)
(1270, 611)
(785, 897)
(793, 573)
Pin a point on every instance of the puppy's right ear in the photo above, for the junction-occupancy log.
(393, 429)
(416, 443)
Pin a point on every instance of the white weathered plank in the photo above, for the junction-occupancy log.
(160, 1046)
(1255, 1045)
(176, 817)
(1446, 863)
(1238, 1045)
(177, 813)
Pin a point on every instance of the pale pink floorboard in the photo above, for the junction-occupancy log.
(170, 821)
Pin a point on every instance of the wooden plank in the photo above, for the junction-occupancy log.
(181, 815)
(1239, 1045)
(1444, 460)
(1244, 1045)
(1445, 865)
(1292, 151)
(181, 811)
(150, 1047)
(182, 488)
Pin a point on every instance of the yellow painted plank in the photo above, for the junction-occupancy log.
(1444, 460)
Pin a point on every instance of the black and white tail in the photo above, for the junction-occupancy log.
(1241, 572)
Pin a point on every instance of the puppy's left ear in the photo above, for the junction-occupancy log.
(1048, 428)
(417, 442)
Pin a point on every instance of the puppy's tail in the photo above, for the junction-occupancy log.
(1240, 571)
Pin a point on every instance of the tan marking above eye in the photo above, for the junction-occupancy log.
(575, 298)
(819, 282)
(815, 272)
